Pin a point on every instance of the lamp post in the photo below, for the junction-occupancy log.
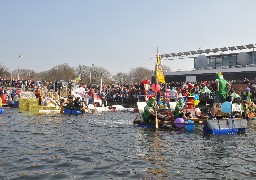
(19, 68)
(91, 74)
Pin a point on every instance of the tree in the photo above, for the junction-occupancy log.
(121, 78)
(139, 74)
(166, 68)
(93, 74)
(59, 72)
(99, 72)
(84, 73)
(4, 71)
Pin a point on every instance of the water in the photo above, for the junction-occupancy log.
(109, 146)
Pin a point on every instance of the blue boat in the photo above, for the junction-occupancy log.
(14, 104)
(225, 126)
(1, 110)
(72, 111)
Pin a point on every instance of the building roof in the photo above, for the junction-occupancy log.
(211, 71)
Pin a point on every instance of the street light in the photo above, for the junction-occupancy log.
(91, 74)
(20, 55)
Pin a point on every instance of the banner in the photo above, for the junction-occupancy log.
(159, 71)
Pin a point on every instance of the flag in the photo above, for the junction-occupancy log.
(159, 71)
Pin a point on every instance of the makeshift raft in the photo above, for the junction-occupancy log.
(225, 126)
(72, 111)
(210, 126)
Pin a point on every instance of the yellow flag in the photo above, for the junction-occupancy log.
(159, 71)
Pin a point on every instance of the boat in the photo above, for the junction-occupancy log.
(1, 110)
(72, 111)
(225, 126)
(221, 124)
(168, 122)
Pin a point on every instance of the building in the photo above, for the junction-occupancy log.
(235, 62)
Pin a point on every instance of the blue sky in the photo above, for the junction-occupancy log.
(118, 34)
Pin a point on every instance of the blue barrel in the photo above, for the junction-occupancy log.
(190, 125)
(75, 112)
(67, 111)
(1, 110)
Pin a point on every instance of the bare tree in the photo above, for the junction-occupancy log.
(121, 78)
(139, 74)
(4, 71)
(166, 68)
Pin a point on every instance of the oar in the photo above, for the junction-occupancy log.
(156, 115)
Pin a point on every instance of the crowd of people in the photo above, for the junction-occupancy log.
(128, 93)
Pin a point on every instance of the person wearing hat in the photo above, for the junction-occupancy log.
(247, 95)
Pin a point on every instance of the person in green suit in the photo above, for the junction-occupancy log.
(222, 88)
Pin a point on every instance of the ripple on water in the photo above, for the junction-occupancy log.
(108, 146)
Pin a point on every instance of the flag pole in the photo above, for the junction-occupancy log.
(156, 92)
(156, 109)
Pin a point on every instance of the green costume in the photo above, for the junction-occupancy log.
(150, 105)
(177, 109)
(222, 86)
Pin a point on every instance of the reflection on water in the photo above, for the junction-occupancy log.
(108, 146)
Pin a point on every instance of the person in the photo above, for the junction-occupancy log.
(216, 110)
(2, 90)
(91, 93)
(13, 92)
(70, 102)
(185, 116)
(245, 110)
(150, 110)
(173, 95)
(144, 87)
(222, 88)
(247, 95)
(77, 105)
(103, 98)
(38, 94)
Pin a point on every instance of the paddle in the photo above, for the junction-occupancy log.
(156, 115)
(156, 88)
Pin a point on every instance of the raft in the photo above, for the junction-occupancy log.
(1, 110)
(188, 126)
(225, 126)
(72, 111)
(14, 104)
(49, 111)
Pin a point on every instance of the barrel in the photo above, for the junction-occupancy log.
(190, 102)
(1, 110)
(3, 97)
